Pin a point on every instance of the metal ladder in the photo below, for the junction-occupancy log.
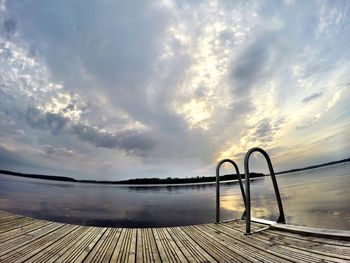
(218, 187)
(246, 194)
(281, 218)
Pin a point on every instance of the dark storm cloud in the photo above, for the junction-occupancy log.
(8, 158)
(53, 122)
(24, 162)
(312, 97)
(10, 25)
(136, 143)
(258, 62)
(133, 142)
(241, 107)
(250, 66)
(266, 129)
(13, 160)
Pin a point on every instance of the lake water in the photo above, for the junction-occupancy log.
(316, 198)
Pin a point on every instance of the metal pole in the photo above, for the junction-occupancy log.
(218, 186)
(218, 193)
(247, 192)
(281, 218)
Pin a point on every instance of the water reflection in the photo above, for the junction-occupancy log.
(317, 198)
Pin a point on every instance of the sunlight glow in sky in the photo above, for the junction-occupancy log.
(112, 90)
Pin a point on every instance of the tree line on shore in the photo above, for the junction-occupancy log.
(169, 180)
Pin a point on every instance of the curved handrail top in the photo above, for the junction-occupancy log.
(257, 149)
(227, 161)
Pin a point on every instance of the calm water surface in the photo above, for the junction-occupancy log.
(316, 198)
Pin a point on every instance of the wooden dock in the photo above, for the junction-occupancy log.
(24, 239)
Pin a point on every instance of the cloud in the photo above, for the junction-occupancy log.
(55, 151)
(312, 97)
(250, 66)
(242, 107)
(132, 142)
(265, 57)
(305, 125)
(10, 25)
(17, 161)
(266, 129)
(55, 123)
(317, 117)
(10, 159)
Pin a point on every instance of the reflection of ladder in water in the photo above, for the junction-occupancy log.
(246, 194)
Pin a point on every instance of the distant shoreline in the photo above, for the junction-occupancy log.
(314, 166)
(169, 180)
(138, 181)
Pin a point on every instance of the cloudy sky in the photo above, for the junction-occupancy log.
(112, 90)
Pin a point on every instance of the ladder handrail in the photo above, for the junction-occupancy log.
(281, 218)
(218, 186)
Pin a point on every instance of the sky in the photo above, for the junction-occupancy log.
(112, 90)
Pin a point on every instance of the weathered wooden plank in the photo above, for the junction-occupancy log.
(240, 224)
(308, 241)
(165, 253)
(192, 251)
(26, 251)
(168, 250)
(142, 253)
(317, 249)
(147, 250)
(12, 244)
(117, 254)
(241, 244)
(123, 251)
(82, 247)
(10, 218)
(48, 251)
(243, 249)
(59, 248)
(22, 230)
(213, 247)
(102, 252)
(4, 213)
(14, 225)
(132, 249)
(285, 250)
(111, 248)
(19, 221)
